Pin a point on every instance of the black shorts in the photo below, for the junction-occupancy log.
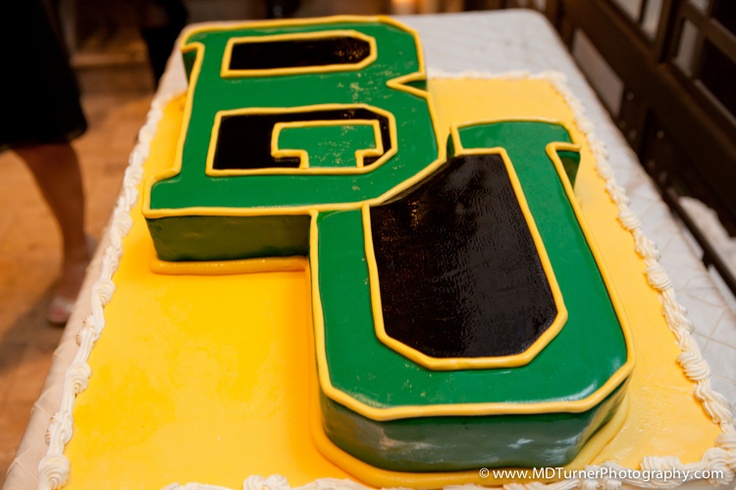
(39, 96)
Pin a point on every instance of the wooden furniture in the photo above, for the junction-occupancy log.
(675, 100)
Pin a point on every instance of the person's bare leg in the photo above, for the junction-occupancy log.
(58, 175)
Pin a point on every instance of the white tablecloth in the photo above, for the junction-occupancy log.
(495, 42)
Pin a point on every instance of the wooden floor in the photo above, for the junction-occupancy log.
(30, 253)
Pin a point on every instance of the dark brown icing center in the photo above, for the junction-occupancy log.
(460, 275)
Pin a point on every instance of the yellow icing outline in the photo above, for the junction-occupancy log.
(226, 72)
(486, 408)
(409, 411)
(383, 478)
(399, 83)
(454, 363)
(212, 172)
(227, 267)
(303, 156)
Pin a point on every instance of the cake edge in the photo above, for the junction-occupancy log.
(53, 470)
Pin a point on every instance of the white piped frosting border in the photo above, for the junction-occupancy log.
(54, 468)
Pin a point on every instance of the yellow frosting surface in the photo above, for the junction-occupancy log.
(206, 377)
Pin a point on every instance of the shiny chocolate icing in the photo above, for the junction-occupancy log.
(460, 273)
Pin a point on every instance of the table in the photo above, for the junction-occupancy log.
(494, 42)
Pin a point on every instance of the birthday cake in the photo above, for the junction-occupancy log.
(339, 268)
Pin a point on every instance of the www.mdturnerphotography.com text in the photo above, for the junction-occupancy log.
(558, 473)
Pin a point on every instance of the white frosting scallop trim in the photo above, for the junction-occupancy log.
(53, 470)
(54, 467)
